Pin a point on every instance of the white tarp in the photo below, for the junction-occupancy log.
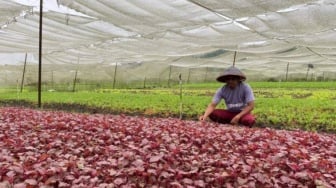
(189, 33)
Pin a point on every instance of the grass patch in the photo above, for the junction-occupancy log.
(287, 105)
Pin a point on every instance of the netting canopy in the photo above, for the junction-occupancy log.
(145, 38)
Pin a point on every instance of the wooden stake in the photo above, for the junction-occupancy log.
(234, 58)
(23, 73)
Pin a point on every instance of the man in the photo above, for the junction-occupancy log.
(238, 97)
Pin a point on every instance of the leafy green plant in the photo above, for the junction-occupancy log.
(292, 105)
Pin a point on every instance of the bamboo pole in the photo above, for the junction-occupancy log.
(115, 74)
(234, 58)
(206, 74)
(52, 80)
(75, 79)
(169, 77)
(287, 71)
(144, 84)
(181, 104)
(23, 73)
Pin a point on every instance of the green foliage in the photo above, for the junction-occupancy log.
(286, 105)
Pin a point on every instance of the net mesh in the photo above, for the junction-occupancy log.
(150, 41)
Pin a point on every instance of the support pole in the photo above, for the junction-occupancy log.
(144, 85)
(180, 78)
(40, 56)
(115, 75)
(52, 80)
(23, 73)
(188, 80)
(323, 76)
(75, 79)
(206, 74)
(287, 71)
(234, 58)
(74, 82)
(170, 69)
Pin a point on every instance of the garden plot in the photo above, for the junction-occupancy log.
(59, 149)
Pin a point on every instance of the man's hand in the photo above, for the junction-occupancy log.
(235, 120)
(202, 118)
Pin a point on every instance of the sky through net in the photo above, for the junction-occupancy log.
(147, 39)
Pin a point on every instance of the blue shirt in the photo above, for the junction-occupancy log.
(235, 99)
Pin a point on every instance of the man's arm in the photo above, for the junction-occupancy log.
(211, 107)
(247, 109)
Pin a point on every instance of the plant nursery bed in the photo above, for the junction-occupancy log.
(61, 149)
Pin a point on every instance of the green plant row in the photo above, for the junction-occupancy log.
(284, 85)
(286, 107)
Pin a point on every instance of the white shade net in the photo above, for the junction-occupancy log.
(147, 37)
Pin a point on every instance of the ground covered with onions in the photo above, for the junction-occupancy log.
(61, 149)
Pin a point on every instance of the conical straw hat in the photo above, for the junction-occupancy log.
(231, 71)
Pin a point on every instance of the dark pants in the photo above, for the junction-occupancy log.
(225, 116)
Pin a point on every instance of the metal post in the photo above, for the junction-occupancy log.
(40, 55)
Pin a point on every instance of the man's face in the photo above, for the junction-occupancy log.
(232, 81)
